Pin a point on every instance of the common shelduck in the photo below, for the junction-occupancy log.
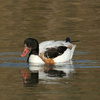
(48, 52)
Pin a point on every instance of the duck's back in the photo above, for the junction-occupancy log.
(43, 45)
(59, 51)
(54, 52)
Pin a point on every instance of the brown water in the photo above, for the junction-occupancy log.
(50, 20)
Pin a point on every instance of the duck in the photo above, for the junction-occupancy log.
(48, 52)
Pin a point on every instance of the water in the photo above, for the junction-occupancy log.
(79, 82)
(13, 59)
(50, 20)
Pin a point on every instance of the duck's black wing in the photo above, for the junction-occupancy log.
(54, 52)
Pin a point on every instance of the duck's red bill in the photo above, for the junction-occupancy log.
(25, 51)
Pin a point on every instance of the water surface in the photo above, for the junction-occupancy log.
(80, 81)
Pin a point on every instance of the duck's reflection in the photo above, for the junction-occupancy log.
(46, 72)
(55, 73)
(30, 79)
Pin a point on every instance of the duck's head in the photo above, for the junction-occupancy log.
(31, 45)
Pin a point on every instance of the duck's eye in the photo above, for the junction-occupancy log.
(28, 48)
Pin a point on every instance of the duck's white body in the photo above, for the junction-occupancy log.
(35, 59)
(66, 56)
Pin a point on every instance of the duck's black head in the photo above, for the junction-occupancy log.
(31, 45)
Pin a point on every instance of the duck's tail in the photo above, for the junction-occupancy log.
(67, 39)
(70, 46)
